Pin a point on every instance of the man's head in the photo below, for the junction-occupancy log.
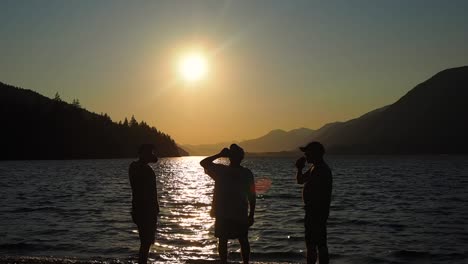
(236, 154)
(146, 153)
(313, 151)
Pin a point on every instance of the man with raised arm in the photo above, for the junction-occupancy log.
(316, 195)
(234, 193)
(145, 206)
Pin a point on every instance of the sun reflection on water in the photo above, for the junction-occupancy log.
(185, 228)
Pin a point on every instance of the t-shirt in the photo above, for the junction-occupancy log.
(144, 193)
(317, 190)
(233, 187)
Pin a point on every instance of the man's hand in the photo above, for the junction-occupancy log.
(224, 152)
(251, 220)
(208, 161)
(300, 163)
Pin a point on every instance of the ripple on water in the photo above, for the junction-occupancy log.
(81, 208)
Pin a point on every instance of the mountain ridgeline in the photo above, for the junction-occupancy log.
(274, 141)
(277, 140)
(432, 118)
(37, 127)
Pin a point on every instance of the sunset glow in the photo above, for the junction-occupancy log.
(236, 69)
(193, 67)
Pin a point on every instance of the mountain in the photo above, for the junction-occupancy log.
(182, 151)
(274, 141)
(277, 140)
(37, 127)
(205, 149)
(432, 118)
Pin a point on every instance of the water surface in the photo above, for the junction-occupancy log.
(385, 209)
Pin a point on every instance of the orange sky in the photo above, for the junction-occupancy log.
(284, 65)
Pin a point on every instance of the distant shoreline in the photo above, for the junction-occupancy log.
(258, 155)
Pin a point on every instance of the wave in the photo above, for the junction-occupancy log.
(410, 255)
(42, 208)
(56, 260)
(22, 246)
(286, 256)
(39, 246)
(396, 257)
(280, 196)
(98, 260)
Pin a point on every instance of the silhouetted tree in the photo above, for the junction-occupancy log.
(63, 131)
(133, 122)
(57, 97)
(76, 103)
(107, 117)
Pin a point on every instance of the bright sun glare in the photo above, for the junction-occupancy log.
(193, 67)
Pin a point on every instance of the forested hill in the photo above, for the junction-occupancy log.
(432, 118)
(36, 127)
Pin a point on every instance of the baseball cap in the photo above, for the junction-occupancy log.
(237, 149)
(313, 146)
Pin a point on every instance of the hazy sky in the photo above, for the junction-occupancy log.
(272, 64)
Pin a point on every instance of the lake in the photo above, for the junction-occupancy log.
(385, 209)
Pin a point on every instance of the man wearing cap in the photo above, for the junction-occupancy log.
(316, 195)
(234, 193)
(145, 207)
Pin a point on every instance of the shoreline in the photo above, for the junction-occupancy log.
(76, 260)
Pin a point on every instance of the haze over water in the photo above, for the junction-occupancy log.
(385, 209)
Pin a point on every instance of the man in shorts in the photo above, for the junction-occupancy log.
(234, 193)
(316, 195)
(145, 207)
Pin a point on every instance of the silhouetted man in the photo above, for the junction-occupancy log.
(317, 196)
(145, 207)
(233, 193)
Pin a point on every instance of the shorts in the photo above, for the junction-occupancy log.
(315, 230)
(146, 228)
(230, 229)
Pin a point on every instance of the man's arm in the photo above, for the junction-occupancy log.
(301, 177)
(252, 199)
(131, 175)
(208, 162)
(327, 189)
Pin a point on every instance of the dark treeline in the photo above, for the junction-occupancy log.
(36, 127)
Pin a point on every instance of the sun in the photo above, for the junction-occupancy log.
(193, 67)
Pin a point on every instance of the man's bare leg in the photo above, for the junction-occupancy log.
(143, 254)
(323, 254)
(245, 249)
(311, 253)
(222, 249)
